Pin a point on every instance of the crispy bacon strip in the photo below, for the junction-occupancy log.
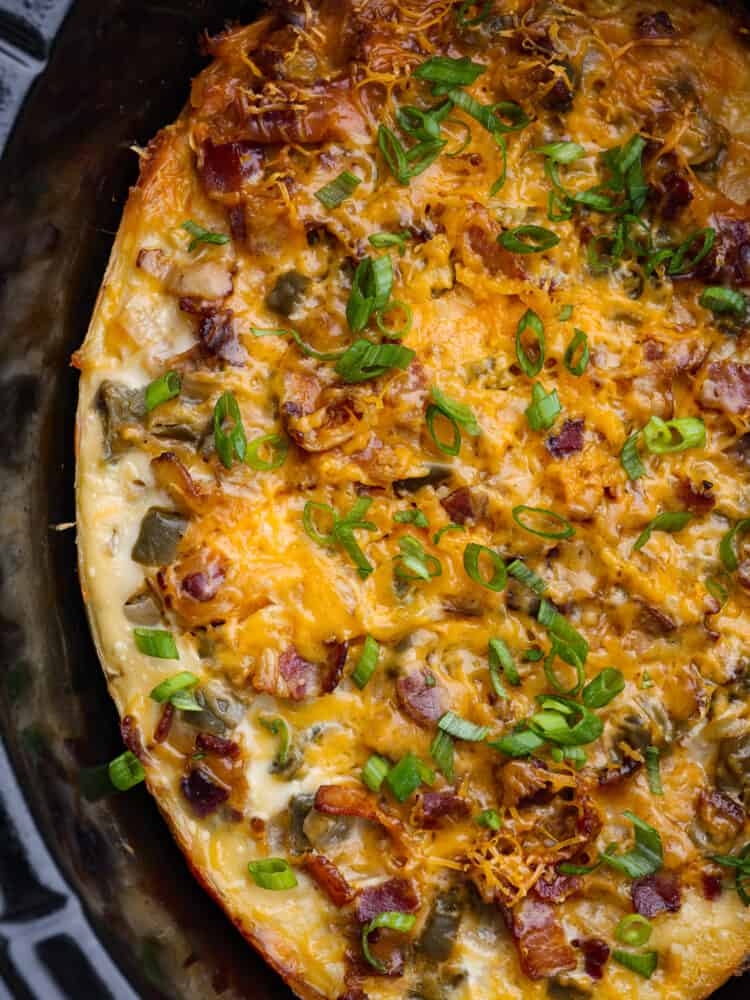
(350, 800)
(171, 475)
(654, 894)
(325, 873)
(420, 700)
(542, 946)
(398, 894)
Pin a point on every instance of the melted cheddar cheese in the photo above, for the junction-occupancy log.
(270, 600)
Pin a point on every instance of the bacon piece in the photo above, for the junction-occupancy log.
(711, 885)
(204, 585)
(525, 782)
(202, 792)
(354, 994)
(351, 800)
(568, 441)
(653, 894)
(728, 263)
(165, 723)
(557, 888)
(595, 956)
(238, 223)
(218, 335)
(208, 743)
(434, 807)
(459, 505)
(496, 259)
(224, 168)
(655, 622)
(155, 262)
(397, 894)
(294, 677)
(656, 25)
(329, 878)
(542, 946)
(419, 700)
(727, 387)
(131, 737)
(329, 113)
(720, 815)
(171, 475)
(700, 501)
(676, 195)
(614, 775)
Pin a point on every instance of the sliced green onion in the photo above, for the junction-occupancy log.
(579, 342)
(444, 70)
(444, 530)
(644, 964)
(422, 124)
(279, 727)
(498, 184)
(568, 869)
(521, 743)
(561, 152)
(371, 290)
(364, 361)
(426, 775)
(723, 300)
(201, 235)
(645, 858)
(162, 389)
(528, 239)
(728, 545)
(156, 642)
(462, 729)
(558, 649)
(279, 446)
(521, 572)
(553, 722)
(518, 119)
(530, 365)
(165, 691)
(384, 240)
(489, 818)
(272, 873)
(367, 662)
(336, 191)
(576, 755)
(342, 530)
(561, 629)
(374, 772)
(414, 563)
(458, 415)
(652, 769)
(233, 441)
(718, 590)
(741, 864)
(603, 688)
(472, 554)
(308, 522)
(452, 447)
(442, 751)
(468, 22)
(544, 408)
(679, 264)
(309, 352)
(532, 655)
(630, 458)
(466, 139)
(669, 521)
(125, 771)
(186, 702)
(394, 921)
(412, 516)
(664, 437)
(404, 778)
(393, 306)
(565, 313)
(501, 661)
(567, 530)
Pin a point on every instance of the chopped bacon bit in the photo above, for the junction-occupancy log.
(699, 500)
(676, 195)
(614, 775)
(711, 885)
(224, 168)
(218, 335)
(354, 994)
(165, 723)
(154, 261)
(557, 887)
(653, 350)
(396, 894)
(568, 441)
(526, 782)
(208, 743)
(329, 878)
(131, 737)
(656, 25)
(459, 505)
(720, 815)
(727, 387)
(595, 955)
(542, 946)
(299, 674)
(655, 894)
(238, 223)
(420, 701)
(434, 807)
(202, 792)
(172, 476)
(205, 585)
(336, 662)
(728, 263)
(353, 800)
(294, 677)
(654, 622)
